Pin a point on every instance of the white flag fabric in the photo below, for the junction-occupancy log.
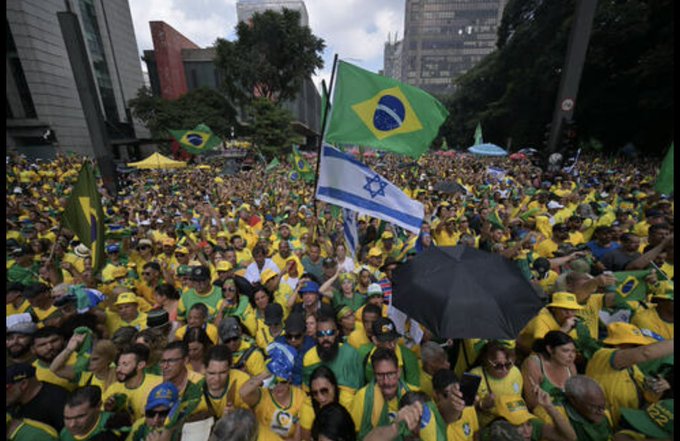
(349, 227)
(348, 183)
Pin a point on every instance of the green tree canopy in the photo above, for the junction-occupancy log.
(270, 58)
(271, 128)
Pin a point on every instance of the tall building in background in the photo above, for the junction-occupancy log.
(246, 8)
(443, 39)
(392, 57)
(44, 112)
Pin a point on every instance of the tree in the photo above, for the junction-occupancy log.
(271, 127)
(271, 57)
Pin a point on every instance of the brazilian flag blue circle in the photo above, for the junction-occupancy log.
(195, 139)
(628, 287)
(389, 113)
(301, 164)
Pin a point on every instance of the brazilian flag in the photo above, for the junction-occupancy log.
(379, 112)
(84, 215)
(301, 166)
(631, 285)
(197, 141)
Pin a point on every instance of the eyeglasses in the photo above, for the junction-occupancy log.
(326, 333)
(170, 360)
(386, 375)
(293, 336)
(507, 365)
(157, 413)
(320, 392)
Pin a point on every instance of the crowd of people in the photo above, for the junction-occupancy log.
(230, 306)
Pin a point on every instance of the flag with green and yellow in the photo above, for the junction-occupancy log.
(379, 112)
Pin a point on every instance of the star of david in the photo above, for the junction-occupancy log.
(369, 187)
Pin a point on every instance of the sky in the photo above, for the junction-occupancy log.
(354, 29)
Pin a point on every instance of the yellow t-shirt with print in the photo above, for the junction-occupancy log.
(649, 319)
(465, 428)
(510, 385)
(137, 397)
(281, 420)
(218, 404)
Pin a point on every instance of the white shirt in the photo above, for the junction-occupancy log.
(253, 273)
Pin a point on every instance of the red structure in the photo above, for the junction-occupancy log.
(168, 45)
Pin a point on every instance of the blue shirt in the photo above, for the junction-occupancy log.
(307, 343)
(599, 251)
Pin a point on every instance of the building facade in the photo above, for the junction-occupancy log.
(443, 39)
(44, 112)
(392, 58)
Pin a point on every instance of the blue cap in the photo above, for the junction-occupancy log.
(165, 394)
(281, 360)
(113, 248)
(309, 286)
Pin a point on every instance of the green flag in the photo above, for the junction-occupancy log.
(272, 165)
(631, 285)
(372, 110)
(495, 220)
(664, 180)
(301, 166)
(85, 217)
(478, 135)
(196, 141)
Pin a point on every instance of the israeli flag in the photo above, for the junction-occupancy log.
(348, 183)
(349, 228)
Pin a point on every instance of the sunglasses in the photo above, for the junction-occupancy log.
(326, 333)
(320, 392)
(507, 365)
(230, 340)
(293, 336)
(155, 413)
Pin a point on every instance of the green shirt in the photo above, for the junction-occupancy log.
(25, 276)
(191, 297)
(99, 428)
(346, 366)
(31, 430)
(356, 302)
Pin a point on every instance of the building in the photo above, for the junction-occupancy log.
(42, 94)
(443, 39)
(246, 8)
(392, 58)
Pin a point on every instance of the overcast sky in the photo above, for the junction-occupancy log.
(354, 29)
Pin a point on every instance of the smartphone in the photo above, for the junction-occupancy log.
(469, 384)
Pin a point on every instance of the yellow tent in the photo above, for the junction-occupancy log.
(157, 160)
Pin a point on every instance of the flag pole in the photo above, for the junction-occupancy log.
(323, 130)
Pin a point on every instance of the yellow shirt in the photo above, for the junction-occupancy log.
(465, 428)
(114, 322)
(546, 248)
(43, 373)
(11, 309)
(136, 398)
(590, 314)
(444, 239)
(281, 420)
(236, 380)
(649, 319)
(426, 383)
(358, 338)
(538, 326)
(510, 385)
(254, 365)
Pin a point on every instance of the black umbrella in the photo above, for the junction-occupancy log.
(462, 292)
(449, 187)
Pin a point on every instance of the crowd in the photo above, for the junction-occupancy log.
(227, 306)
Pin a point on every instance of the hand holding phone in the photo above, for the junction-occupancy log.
(468, 387)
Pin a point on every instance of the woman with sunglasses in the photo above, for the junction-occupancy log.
(500, 377)
(233, 304)
(323, 389)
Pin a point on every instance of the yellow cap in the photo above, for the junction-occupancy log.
(387, 235)
(513, 409)
(564, 300)
(125, 298)
(374, 252)
(267, 275)
(224, 265)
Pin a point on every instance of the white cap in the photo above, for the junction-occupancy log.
(374, 288)
(554, 204)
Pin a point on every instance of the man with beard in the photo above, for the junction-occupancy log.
(132, 383)
(342, 359)
(28, 397)
(20, 330)
(48, 342)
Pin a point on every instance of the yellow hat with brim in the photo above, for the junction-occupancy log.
(622, 333)
(513, 409)
(125, 298)
(564, 300)
(224, 265)
(267, 275)
(182, 250)
(374, 252)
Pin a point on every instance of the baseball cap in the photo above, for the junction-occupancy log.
(229, 328)
(309, 286)
(156, 318)
(165, 394)
(619, 333)
(564, 300)
(513, 409)
(113, 248)
(224, 265)
(126, 297)
(295, 324)
(656, 421)
(273, 314)
(267, 275)
(554, 204)
(20, 324)
(374, 290)
(200, 273)
(17, 372)
(329, 262)
(183, 270)
(374, 252)
(384, 330)
(387, 235)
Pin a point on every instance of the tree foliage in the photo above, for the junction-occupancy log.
(201, 105)
(271, 127)
(626, 90)
(270, 58)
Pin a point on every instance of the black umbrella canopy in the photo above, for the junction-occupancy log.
(462, 292)
(449, 187)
